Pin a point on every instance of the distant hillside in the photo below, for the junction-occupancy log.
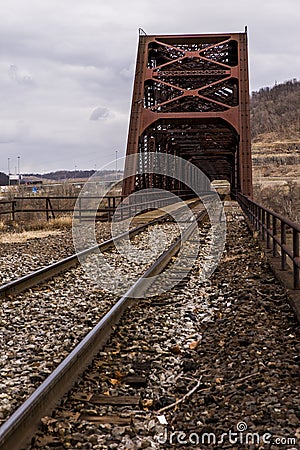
(61, 175)
(3, 179)
(275, 112)
(275, 132)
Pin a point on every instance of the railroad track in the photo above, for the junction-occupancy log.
(139, 224)
(38, 276)
(188, 364)
(22, 423)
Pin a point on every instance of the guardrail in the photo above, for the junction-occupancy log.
(49, 205)
(280, 234)
(106, 207)
(46, 205)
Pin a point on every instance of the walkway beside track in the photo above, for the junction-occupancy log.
(215, 364)
(160, 212)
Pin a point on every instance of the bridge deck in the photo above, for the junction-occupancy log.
(211, 359)
(154, 214)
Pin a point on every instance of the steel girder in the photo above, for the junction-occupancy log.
(191, 99)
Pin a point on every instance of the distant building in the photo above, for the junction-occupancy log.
(14, 179)
(31, 179)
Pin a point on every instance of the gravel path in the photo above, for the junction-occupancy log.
(230, 345)
(42, 325)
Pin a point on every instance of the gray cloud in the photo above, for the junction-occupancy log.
(59, 60)
(99, 114)
(19, 77)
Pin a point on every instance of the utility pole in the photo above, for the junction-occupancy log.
(19, 175)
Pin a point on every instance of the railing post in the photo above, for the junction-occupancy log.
(283, 242)
(47, 210)
(79, 204)
(296, 259)
(251, 209)
(108, 209)
(274, 233)
(268, 231)
(13, 210)
(263, 224)
(259, 221)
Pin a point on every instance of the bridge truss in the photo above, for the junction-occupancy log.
(191, 99)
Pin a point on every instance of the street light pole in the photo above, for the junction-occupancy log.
(116, 164)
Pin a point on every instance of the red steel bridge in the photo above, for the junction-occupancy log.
(191, 99)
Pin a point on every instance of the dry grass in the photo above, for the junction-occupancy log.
(12, 238)
(63, 222)
(22, 231)
(274, 138)
(15, 232)
(60, 222)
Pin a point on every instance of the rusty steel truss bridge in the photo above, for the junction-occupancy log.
(191, 99)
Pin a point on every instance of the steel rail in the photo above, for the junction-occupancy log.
(23, 423)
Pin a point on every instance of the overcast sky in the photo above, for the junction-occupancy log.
(67, 66)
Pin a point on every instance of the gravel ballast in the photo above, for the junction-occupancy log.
(40, 326)
(22, 253)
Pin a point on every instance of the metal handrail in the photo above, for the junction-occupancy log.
(273, 228)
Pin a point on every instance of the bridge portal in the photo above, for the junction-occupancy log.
(191, 99)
